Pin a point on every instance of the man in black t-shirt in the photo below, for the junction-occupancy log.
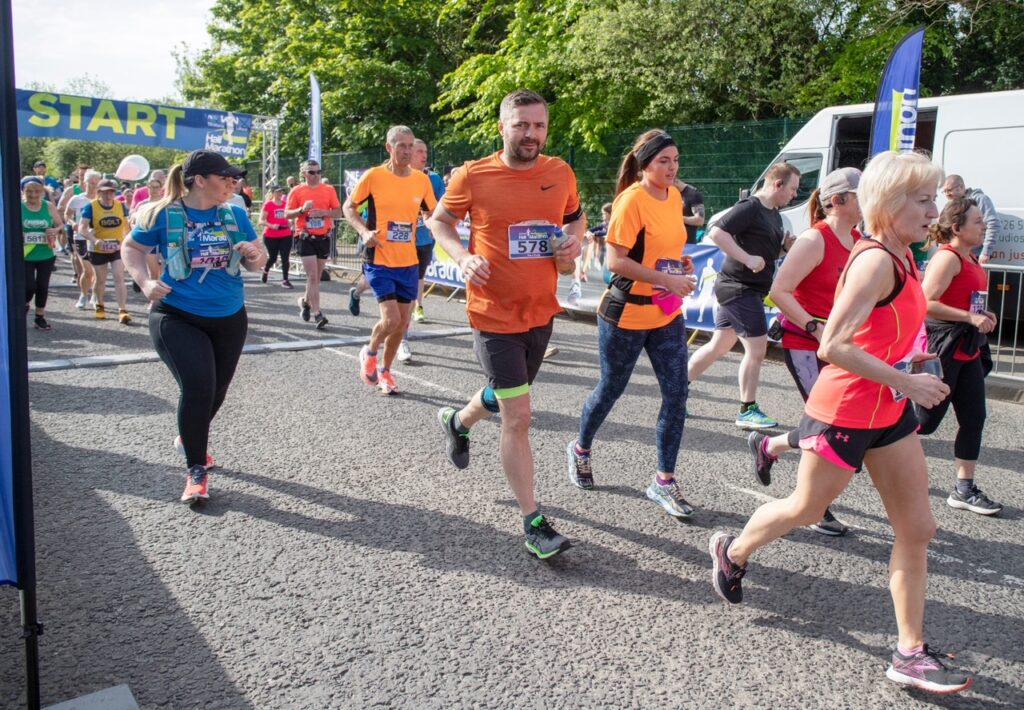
(693, 209)
(752, 236)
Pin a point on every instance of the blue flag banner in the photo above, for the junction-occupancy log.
(48, 115)
(894, 123)
(315, 146)
(8, 554)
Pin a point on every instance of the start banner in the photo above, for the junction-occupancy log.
(43, 114)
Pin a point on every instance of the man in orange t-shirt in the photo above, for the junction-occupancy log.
(519, 201)
(395, 194)
(314, 206)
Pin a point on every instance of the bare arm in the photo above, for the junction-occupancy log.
(620, 263)
(805, 255)
(351, 212)
(942, 269)
(869, 279)
(133, 255)
(565, 256)
(725, 241)
(442, 225)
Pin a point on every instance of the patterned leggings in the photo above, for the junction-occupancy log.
(619, 350)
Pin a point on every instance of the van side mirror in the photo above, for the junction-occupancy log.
(744, 193)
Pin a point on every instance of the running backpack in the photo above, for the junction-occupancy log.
(179, 266)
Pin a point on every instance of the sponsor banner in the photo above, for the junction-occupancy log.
(50, 115)
(701, 306)
(894, 122)
(315, 147)
(442, 269)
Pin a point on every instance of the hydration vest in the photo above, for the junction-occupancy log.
(178, 264)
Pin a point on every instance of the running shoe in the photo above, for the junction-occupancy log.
(927, 671)
(975, 501)
(41, 324)
(303, 309)
(353, 301)
(285, 283)
(387, 382)
(367, 366)
(580, 473)
(418, 315)
(575, 291)
(80, 303)
(754, 418)
(320, 320)
(727, 576)
(404, 353)
(550, 352)
(457, 445)
(196, 481)
(101, 312)
(828, 525)
(123, 317)
(179, 446)
(543, 541)
(669, 498)
(263, 276)
(763, 461)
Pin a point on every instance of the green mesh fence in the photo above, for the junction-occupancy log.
(720, 159)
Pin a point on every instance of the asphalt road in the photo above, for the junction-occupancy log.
(343, 563)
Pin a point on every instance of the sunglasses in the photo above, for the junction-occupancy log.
(313, 172)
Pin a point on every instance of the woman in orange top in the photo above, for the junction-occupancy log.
(857, 412)
(640, 311)
(956, 287)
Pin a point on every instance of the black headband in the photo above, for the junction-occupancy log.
(652, 147)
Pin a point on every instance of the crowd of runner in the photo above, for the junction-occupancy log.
(877, 352)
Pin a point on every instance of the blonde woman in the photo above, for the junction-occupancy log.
(858, 413)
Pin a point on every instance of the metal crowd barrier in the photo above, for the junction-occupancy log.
(1005, 299)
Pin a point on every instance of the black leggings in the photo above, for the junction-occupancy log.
(37, 280)
(966, 380)
(275, 246)
(201, 353)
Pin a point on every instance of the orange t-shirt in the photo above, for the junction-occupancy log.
(393, 204)
(520, 293)
(324, 198)
(653, 233)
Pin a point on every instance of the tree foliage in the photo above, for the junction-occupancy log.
(442, 66)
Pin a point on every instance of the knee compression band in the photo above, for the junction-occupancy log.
(489, 399)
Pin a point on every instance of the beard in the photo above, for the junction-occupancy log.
(525, 151)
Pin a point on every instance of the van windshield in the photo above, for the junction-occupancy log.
(809, 165)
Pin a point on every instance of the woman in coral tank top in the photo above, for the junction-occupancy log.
(857, 412)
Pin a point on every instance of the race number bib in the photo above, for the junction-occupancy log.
(212, 255)
(35, 238)
(400, 232)
(279, 214)
(314, 222)
(673, 267)
(107, 246)
(531, 241)
(979, 301)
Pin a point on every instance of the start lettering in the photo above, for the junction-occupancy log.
(94, 115)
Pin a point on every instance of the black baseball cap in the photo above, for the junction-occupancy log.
(206, 162)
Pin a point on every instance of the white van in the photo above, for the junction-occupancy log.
(978, 136)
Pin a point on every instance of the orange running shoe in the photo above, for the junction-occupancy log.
(387, 382)
(367, 366)
(196, 485)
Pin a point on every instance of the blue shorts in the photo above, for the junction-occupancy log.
(393, 283)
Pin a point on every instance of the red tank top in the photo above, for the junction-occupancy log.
(844, 399)
(958, 294)
(817, 292)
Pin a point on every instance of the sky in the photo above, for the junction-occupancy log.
(127, 47)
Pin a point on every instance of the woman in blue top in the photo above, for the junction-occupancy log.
(198, 324)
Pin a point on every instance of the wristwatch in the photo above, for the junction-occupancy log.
(811, 327)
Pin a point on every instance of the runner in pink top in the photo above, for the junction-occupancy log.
(277, 233)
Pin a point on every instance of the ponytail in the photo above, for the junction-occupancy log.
(174, 190)
(814, 205)
(649, 144)
(954, 214)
